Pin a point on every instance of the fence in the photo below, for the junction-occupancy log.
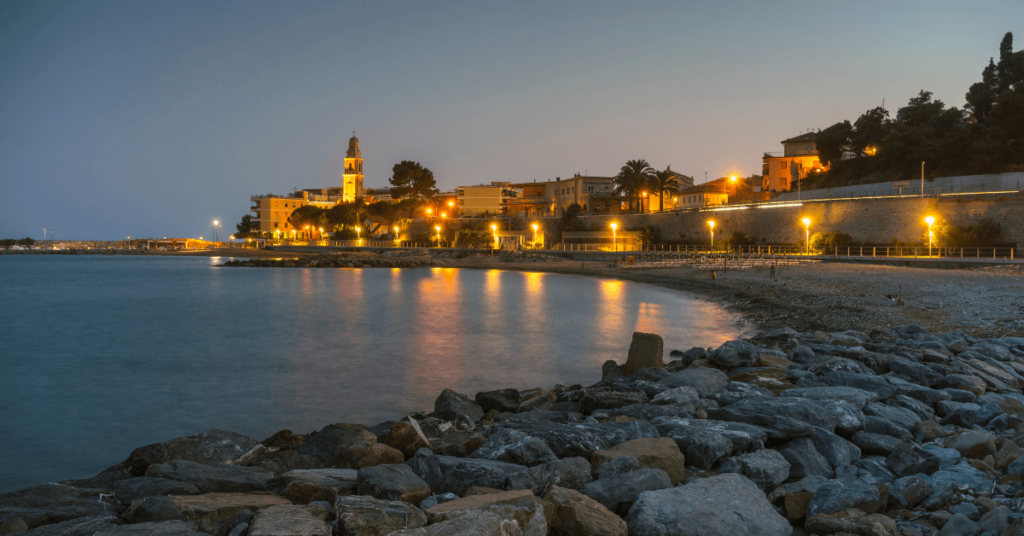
(709, 261)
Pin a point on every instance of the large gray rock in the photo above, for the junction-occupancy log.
(450, 405)
(880, 425)
(733, 392)
(805, 460)
(290, 520)
(909, 459)
(363, 516)
(426, 466)
(838, 451)
(209, 447)
(732, 354)
(766, 468)
(595, 400)
(866, 382)
(916, 372)
(881, 445)
(512, 446)
(645, 351)
(677, 395)
(962, 475)
(394, 482)
(152, 528)
(568, 440)
(330, 444)
(502, 400)
(54, 503)
(304, 486)
(723, 505)
(570, 473)
(959, 525)
(705, 441)
(618, 466)
(619, 492)
(469, 472)
(858, 397)
(900, 416)
(212, 478)
(82, 526)
(140, 487)
(158, 508)
(908, 492)
(471, 523)
(838, 495)
(778, 427)
(802, 409)
(705, 380)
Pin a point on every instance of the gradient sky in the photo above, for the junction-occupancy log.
(154, 118)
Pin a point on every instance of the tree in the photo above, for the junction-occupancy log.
(246, 226)
(664, 181)
(633, 178)
(307, 215)
(409, 178)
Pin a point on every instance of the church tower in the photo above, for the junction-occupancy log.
(352, 177)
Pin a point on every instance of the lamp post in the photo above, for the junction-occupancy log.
(929, 220)
(359, 236)
(396, 234)
(321, 229)
(922, 182)
(615, 242)
(438, 229)
(494, 231)
(642, 203)
(215, 223)
(807, 235)
(534, 236)
(712, 224)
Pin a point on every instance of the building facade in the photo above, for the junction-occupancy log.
(705, 195)
(532, 203)
(272, 211)
(486, 199)
(782, 172)
(577, 189)
(352, 176)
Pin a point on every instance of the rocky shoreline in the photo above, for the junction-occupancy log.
(888, 432)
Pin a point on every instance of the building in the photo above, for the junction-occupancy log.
(652, 201)
(485, 199)
(352, 176)
(705, 195)
(782, 172)
(272, 211)
(533, 203)
(577, 189)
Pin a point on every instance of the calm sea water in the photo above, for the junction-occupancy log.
(100, 355)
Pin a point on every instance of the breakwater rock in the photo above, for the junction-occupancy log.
(388, 259)
(889, 433)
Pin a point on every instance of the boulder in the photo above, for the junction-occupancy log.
(426, 466)
(294, 520)
(617, 466)
(963, 382)
(733, 354)
(735, 391)
(364, 516)
(595, 400)
(881, 445)
(851, 521)
(481, 523)
(210, 511)
(465, 442)
(916, 372)
(900, 416)
(866, 382)
(212, 478)
(53, 503)
(908, 492)
(705, 381)
(655, 453)
(536, 398)
(975, 445)
(512, 446)
(140, 487)
(407, 437)
(678, 395)
(646, 351)
(435, 500)
(152, 528)
(705, 441)
(723, 505)
(518, 505)
(909, 459)
(502, 400)
(82, 526)
(469, 472)
(838, 495)
(285, 439)
(282, 461)
(618, 493)
(395, 482)
(575, 514)
(858, 397)
(959, 525)
(805, 460)
(339, 445)
(766, 468)
(778, 427)
(157, 508)
(570, 473)
(568, 440)
(883, 426)
(304, 486)
(209, 447)
(996, 519)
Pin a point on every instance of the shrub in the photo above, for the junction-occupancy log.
(984, 234)
(830, 239)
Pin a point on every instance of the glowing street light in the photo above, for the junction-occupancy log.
(444, 215)
(359, 235)
(494, 231)
(429, 211)
(615, 242)
(929, 220)
(451, 203)
(534, 235)
(807, 235)
(438, 229)
(712, 224)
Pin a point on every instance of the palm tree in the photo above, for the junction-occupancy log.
(633, 178)
(664, 181)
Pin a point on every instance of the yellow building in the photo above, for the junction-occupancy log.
(705, 195)
(483, 198)
(352, 177)
(781, 172)
(272, 211)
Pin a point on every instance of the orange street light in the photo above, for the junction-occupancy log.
(615, 242)
(534, 235)
(359, 235)
(732, 178)
(929, 220)
(451, 203)
(438, 229)
(429, 211)
(444, 215)
(807, 235)
(712, 224)
(494, 231)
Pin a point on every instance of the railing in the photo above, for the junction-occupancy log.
(846, 251)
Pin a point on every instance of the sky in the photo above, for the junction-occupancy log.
(151, 119)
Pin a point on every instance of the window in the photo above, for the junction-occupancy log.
(782, 165)
(275, 225)
(590, 188)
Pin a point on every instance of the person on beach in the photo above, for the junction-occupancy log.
(771, 275)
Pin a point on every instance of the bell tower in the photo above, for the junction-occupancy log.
(352, 177)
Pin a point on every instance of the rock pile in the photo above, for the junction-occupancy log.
(888, 433)
(519, 256)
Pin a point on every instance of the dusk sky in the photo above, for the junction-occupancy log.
(154, 118)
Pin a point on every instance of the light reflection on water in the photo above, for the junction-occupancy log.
(104, 354)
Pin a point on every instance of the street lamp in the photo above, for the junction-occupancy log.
(429, 211)
(396, 234)
(807, 235)
(494, 231)
(359, 236)
(712, 224)
(444, 215)
(929, 220)
(438, 229)
(642, 203)
(215, 224)
(615, 242)
(534, 236)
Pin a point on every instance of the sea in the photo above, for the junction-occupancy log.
(103, 354)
